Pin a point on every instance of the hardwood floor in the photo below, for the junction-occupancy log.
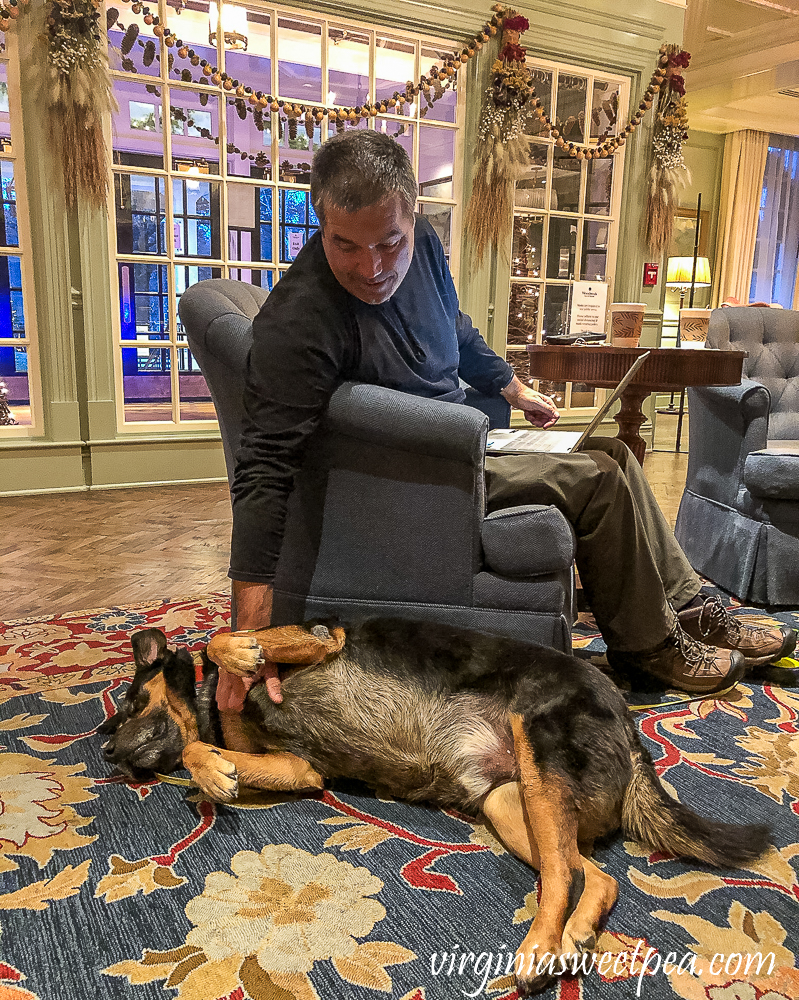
(75, 551)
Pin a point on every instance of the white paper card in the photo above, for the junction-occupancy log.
(296, 241)
(589, 305)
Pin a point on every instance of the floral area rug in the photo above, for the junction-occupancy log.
(149, 891)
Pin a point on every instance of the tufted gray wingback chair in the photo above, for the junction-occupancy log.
(738, 521)
(387, 515)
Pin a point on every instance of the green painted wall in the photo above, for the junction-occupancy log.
(80, 447)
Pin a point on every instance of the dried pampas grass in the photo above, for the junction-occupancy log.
(76, 93)
(489, 216)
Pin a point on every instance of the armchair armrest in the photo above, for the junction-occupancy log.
(773, 473)
(727, 423)
(527, 541)
(398, 420)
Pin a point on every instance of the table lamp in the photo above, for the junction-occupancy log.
(680, 274)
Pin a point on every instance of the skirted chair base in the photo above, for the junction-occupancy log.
(756, 561)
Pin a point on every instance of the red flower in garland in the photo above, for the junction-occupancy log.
(516, 23)
(513, 53)
(677, 83)
(680, 59)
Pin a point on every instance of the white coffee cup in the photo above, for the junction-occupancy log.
(694, 324)
(626, 323)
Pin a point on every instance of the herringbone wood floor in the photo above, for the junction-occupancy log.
(70, 552)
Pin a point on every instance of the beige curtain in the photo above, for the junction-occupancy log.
(741, 187)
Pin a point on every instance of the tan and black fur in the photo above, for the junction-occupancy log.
(538, 742)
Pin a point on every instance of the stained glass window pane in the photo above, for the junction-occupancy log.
(12, 311)
(9, 233)
(186, 275)
(140, 203)
(143, 300)
(249, 222)
(147, 383)
(195, 208)
(5, 121)
(14, 376)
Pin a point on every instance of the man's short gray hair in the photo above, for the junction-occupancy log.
(359, 168)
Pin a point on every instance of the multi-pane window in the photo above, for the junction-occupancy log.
(775, 269)
(565, 217)
(222, 191)
(18, 373)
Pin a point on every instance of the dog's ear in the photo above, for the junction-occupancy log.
(148, 645)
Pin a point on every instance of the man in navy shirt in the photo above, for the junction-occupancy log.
(370, 298)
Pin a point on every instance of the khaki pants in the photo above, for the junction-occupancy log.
(631, 567)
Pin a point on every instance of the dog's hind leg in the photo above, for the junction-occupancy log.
(505, 813)
(219, 773)
(551, 823)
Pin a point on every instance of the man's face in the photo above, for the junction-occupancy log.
(369, 251)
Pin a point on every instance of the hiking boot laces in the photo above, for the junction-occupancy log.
(713, 616)
(700, 659)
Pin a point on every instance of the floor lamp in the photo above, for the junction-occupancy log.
(687, 274)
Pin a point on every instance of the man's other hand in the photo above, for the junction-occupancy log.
(253, 611)
(231, 691)
(537, 408)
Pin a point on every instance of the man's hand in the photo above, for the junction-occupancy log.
(537, 408)
(253, 611)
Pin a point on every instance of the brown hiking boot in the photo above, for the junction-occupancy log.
(682, 663)
(713, 624)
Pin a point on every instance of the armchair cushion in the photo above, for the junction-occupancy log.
(526, 541)
(773, 473)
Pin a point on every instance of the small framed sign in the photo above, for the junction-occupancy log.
(588, 307)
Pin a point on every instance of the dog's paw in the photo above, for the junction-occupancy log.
(215, 776)
(239, 654)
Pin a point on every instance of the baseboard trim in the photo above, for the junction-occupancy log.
(114, 486)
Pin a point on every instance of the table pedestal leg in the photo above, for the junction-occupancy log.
(629, 418)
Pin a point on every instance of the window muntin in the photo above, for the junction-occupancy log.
(18, 356)
(223, 191)
(566, 214)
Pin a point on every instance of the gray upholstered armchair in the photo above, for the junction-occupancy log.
(739, 516)
(388, 513)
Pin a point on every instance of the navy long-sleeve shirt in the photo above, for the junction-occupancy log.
(310, 336)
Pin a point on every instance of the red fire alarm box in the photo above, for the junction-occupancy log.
(651, 274)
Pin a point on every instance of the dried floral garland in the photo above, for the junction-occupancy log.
(503, 148)
(77, 96)
(10, 11)
(431, 86)
(669, 172)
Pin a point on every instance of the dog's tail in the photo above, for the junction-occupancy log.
(652, 817)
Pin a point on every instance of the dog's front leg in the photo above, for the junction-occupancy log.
(219, 773)
(551, 825)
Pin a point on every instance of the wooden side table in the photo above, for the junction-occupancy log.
(666, 369)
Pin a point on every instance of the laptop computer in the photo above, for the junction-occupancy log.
(516, 442)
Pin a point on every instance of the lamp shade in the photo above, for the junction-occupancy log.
(680, 269)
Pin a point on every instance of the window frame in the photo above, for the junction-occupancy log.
(10, 56)
(172, 341)
(581, 218)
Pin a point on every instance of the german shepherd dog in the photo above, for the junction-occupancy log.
(538, 742)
